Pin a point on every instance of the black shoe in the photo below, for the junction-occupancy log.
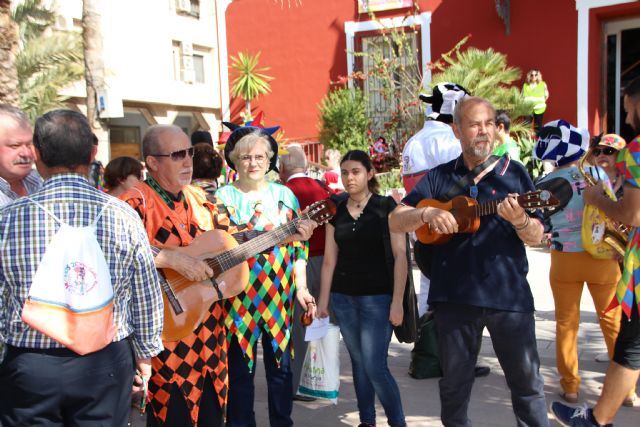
(303, 398)
(482, 371)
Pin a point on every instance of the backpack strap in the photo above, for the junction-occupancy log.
(95, 221)
(47, 211)
(59, 221)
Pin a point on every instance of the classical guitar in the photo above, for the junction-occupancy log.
(467, 212)
(186, 303)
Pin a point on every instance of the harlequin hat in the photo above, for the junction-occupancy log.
(443, 100)
(561, 143)
(238, 132)
(609, 140)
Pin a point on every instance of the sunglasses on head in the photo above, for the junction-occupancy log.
(177, 155)
(607, 151)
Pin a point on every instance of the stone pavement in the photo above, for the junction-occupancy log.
(490, 401)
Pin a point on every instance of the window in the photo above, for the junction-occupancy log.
(383, 101)
(189, 63)
(198, 68)
(188, 7)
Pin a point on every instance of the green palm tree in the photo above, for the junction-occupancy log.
(250, 80)
(486, 73)
(47, 61)
(8, 49)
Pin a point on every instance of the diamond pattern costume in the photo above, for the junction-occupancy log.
(267, 305)
(628, 165)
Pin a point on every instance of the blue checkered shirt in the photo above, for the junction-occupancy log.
(25, 231)
(31, 182)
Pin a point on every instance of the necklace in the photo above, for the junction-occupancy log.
(358, 203)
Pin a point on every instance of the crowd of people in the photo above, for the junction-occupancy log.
(166, 236)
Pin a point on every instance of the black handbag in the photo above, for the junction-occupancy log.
(407, 332)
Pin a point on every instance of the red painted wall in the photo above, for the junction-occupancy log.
(305, 48)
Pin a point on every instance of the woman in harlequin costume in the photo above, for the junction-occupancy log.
(264, 310)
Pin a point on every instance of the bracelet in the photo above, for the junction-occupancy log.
(524, 225)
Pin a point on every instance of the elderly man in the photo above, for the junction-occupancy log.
(189, 384)
(479, 280)
(17, 176)
(293, 174)
(624, 367)
(42, 381)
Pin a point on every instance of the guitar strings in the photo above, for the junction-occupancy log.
(230, 259)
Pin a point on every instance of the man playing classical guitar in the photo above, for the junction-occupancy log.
(479, 279)
(189, 383)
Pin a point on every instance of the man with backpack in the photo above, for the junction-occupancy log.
(79, 294)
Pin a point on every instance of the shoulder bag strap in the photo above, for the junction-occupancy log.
(459, 186)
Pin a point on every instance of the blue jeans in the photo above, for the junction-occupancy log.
(365, 328)
(514, 341)
(242, 391)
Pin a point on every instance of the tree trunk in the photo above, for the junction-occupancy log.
(8, 50)
(94, 70)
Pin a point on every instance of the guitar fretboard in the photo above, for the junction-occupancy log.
(491, 207)
(256, 245)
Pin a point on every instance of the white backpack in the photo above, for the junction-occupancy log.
(71, 296)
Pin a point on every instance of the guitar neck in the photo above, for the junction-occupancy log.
(490, 208)
(256, 245)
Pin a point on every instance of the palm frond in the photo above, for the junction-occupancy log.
(41, 53)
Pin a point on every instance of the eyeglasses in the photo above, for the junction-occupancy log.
(607, 151)
(259, 158)
(177, 155)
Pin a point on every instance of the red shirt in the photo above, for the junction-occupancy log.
(308, 191)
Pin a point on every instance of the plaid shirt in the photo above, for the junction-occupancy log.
(25, 231)
(32, 183)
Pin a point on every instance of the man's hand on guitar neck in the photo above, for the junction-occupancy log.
(191, 268)
(529, 230)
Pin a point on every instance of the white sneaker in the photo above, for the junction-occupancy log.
(602, 357)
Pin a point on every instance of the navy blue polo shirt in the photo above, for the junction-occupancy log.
(488, 268)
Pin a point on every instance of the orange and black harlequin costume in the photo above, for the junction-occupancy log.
(187, 362)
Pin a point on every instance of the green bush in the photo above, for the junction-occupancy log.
(389, 180)
(344, 121)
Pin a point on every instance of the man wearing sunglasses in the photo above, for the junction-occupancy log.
(190, 373)
(189, 383)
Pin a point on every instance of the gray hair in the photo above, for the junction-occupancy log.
(151, 139)
(295, 159)
(471, 100)
(249, 141)
(16, 114)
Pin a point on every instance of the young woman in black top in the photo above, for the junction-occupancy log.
(367, 302)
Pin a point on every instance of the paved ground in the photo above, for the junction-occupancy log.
(490, 402)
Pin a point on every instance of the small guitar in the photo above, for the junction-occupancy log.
(467, 212)
(186, 303)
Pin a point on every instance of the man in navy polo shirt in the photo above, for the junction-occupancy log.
(479, 280)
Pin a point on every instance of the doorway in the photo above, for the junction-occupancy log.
(622, 63)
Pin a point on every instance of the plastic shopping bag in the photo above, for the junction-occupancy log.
(321, 368)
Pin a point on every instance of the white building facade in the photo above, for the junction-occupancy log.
(165, 63)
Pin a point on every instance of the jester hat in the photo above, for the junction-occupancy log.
(561, 143)
(238, 132)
